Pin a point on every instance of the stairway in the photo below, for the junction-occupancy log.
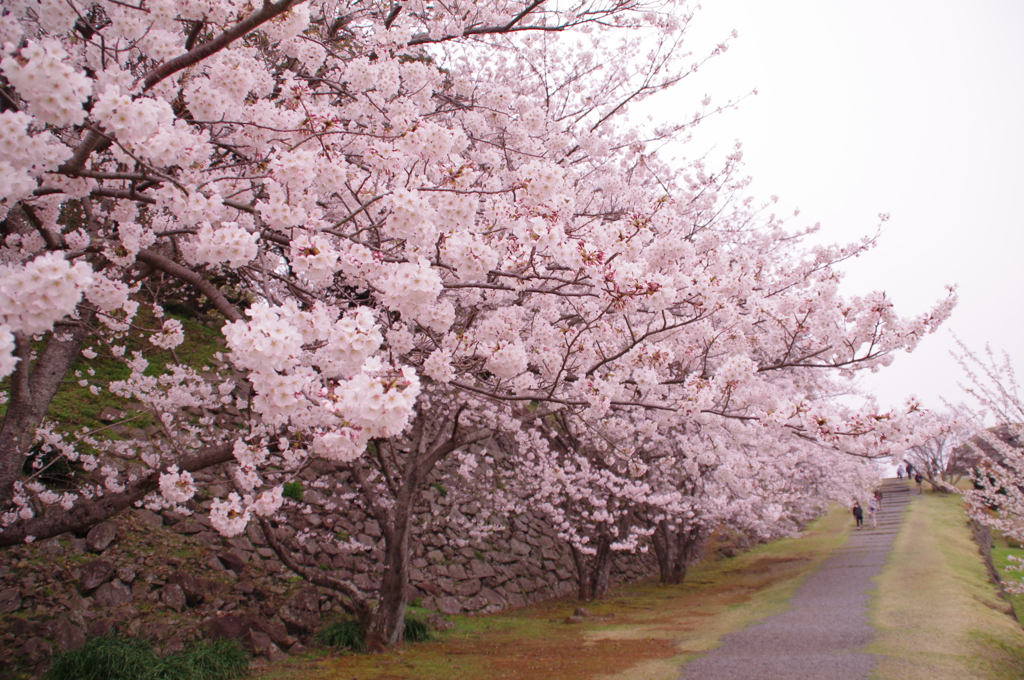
(895, 496)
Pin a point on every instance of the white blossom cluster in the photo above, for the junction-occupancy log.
(36, 294)
(228, 244)
(54, 89)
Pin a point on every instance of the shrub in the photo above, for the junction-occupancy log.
(351, 635)
(206, 660)
(121, 658)
(292, 490)
(343, 635)
(103, 658)
(415, 630)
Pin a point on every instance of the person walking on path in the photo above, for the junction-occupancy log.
(910, 471)
(872, 509)
(918, 478)
(878, 497)
(858, 514)
(899, 472)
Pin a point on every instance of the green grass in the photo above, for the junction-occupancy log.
(349, 635)
(206, 660)
(122, 658)
(415, 630)
(937, 617)
(1001, 553)
(75, 406)
(937, 614)
(346, 635)
(103, 658)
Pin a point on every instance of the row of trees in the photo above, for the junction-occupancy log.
(437, 246)
(992, 447)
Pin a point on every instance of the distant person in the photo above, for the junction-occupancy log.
(899, 472)
(858, 514)
(878, 497)
(918, 478)
(872, 509)
(910, 471)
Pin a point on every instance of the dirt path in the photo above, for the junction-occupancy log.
(827, 621)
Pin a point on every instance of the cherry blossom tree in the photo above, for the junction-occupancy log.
(379, 185)
(944, 459)
(418, 225)
(997, 499)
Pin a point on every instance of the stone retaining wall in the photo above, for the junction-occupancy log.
(172, 579)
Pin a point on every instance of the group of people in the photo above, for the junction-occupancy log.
(874, 505)
(912, 473)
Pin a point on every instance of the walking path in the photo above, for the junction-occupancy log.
(827, 621)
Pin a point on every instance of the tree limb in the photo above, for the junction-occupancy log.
(85, 514)
(197, 54)
(171, 267)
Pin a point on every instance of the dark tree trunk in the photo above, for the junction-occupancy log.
(33, 387)
(676, 548)
(388, 621)
(602, 568)
(593, 572)
(664, 550)
(584, 590)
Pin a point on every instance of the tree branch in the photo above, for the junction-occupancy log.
(171, 267)
(197, 54)
(85, 514)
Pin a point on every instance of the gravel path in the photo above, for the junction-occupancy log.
(826, 624)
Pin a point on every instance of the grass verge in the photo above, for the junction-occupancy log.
(937, 615)
(1002, 550)
(642, 631)
(122, 658)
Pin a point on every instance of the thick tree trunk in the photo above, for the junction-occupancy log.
(665, 552)
(33, 387)
(602, 568)
(593, 573)
(691, 541)
(676, 548)
(388, 621)
(584, 590)
(392, 506)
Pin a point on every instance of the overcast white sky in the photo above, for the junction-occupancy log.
(911, 108)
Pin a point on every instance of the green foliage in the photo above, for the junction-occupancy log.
(206, 660)
(415, 630)
(351, 635)
(121, 658)
(348, 635)
(1002, 552)
(292, 490)
(440, 488)
(103, 658)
